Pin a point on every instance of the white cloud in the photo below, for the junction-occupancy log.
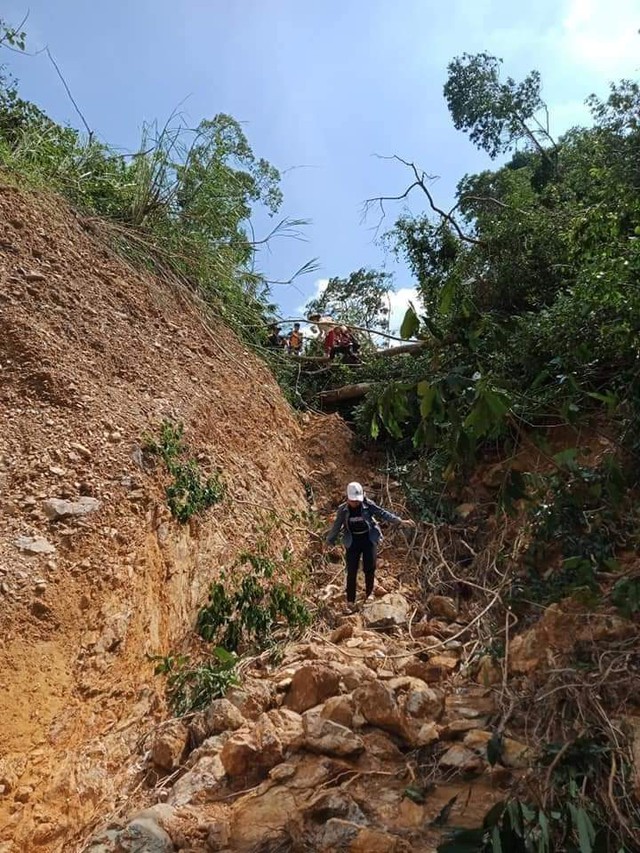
(601, 37)
(319, 287)
(398, 304)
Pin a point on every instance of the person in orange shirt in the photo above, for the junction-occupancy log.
(295, 340)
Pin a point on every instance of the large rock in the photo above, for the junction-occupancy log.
(456, 728)
(388, 611)
(262, 819)
(458, 757)
(223, 716)
(57, 508)
(240, 757)
(379, 745)
(253, 698)
(428, 672)
(371, 840)
(561, 628)
(489, 671)
(342, 632)
(337, 834)
(446, 663)
(442, 606)
(289, 727)
(310, 686)
(515, 754)
(334, 803)
(417, 697)
(142, 835)
(340, 709)
(203, 782)
(512, 753)
(354, 675)
(169, 746)
(469, 702)
(249, 755)
(329, 738)
(34, 545)
(378, 706)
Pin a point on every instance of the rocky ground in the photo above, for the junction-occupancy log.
(368, 739)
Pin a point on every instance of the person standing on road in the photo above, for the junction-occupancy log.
(357, 518)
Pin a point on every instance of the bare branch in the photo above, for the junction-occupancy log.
(421, 178)
(68, 91)
(488, 199)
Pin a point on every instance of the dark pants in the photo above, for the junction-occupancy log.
(347, 353)
(361, 545)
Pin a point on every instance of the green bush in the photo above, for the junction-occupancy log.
(189, 493)
(191, 687)
(247, 611)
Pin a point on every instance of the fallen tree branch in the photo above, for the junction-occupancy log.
(347, 392)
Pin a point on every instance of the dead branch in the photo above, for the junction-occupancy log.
(421, 178)
(71, 98)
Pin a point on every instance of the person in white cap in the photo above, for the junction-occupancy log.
(357, 518)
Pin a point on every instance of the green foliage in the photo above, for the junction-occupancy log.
(578, 519)
(531, 309)
(12, 36)
(573, 820)
(626, 596)
(520, 827)
(191, 687)
(246, 609)
(495, 114)
(189, 492)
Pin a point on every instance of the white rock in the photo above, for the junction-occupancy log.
(34, 545)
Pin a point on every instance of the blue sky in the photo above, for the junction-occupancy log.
(321, 89)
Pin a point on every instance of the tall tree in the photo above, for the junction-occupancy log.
(496, 114)
(361, 299)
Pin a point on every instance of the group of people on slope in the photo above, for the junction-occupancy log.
(292, 343)
(336, 340)
(357, 520)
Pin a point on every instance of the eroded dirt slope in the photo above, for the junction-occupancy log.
(93, 356)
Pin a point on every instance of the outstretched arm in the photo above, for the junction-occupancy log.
(390, 517)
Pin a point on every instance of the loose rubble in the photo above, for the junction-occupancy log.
(320, 750)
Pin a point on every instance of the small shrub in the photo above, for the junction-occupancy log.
(626, 596)
(189, 493)
(578, 518)
(250, 612)
(193, 687)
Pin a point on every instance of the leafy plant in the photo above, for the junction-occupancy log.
(626, 596)
(189, 493)
(520, 827)
(191, 687)
(578, 518)
(248, 611)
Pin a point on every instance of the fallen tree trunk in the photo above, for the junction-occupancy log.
(413, 347)
(347, 392)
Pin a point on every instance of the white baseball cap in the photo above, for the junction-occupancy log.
(355, 492)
